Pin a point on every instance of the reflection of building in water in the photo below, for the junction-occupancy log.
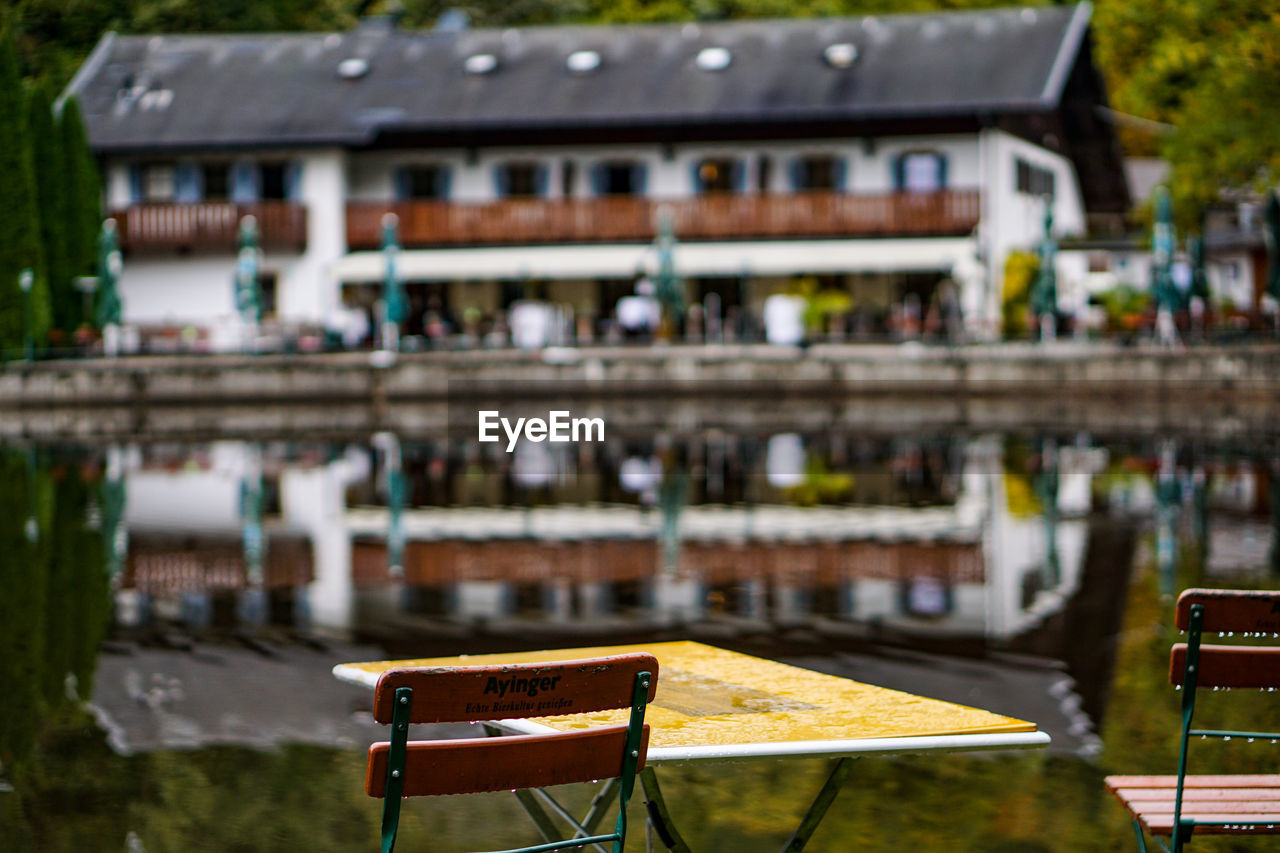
(187, 556)
(975, 565)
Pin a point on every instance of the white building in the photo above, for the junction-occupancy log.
(879, 154)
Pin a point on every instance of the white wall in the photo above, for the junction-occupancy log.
(1015, 221)
(313, 499)
(178, 290)
(306, 292)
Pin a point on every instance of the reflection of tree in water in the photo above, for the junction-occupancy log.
(54, 599)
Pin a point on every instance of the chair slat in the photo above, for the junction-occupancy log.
(474, 765)
(471, 693)
(1234, 781)
(1258, 823)
(1229, 666)
(1202, 795)
(1189, 809)
(1232, 610)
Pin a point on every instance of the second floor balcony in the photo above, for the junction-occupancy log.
(210, 226)
(633, 218)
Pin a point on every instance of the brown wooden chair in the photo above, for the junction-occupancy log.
(403, 768)
(1180, 805)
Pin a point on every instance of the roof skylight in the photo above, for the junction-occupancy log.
(841, 54)
(583, 61)
(353, 68)
(713, 59)
(480, 63)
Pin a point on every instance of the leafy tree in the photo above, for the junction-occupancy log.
(1020, 270)
(1209, 68)
(47, 162)
(81, 214)
(19, 229)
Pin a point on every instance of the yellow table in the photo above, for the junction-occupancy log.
(718, 705)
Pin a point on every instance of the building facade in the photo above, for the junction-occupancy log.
(878, 156)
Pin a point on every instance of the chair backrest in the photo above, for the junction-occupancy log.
(1249, 614)
(1246, 613)
(402, 768)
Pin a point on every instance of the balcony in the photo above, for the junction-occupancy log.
(706, 217)
(209, 226)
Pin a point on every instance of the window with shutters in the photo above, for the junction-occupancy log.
(217, 181)
(158, 182)
(568, 178)
(519, 180)
(764, 173)
(619, 178)
(274, 185)
(716, 175)
(818, 172)
(923, 172)
(1033, 180)
(425, 182)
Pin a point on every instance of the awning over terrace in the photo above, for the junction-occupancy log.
(774, 258)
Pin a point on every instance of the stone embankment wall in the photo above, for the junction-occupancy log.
(1056, 371)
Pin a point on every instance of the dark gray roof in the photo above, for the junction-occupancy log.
(279, 90)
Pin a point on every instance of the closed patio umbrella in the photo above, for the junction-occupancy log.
(1044, 292)
(1163, 244)
(669, 289)
(248, 299)
(395, 306)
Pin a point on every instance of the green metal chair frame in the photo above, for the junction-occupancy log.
(401, 768)
(1253, 614)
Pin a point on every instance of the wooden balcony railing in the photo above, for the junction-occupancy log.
(210, 226)
(706, 217)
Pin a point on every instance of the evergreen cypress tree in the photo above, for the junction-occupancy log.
(19, 218)
(82, 195)
(47, 161)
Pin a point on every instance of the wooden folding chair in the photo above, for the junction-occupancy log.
(403, 768)
(1178, 806)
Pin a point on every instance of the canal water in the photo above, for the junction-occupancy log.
(171, 607)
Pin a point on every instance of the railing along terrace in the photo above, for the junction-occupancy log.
(209, 226)
(718, 216)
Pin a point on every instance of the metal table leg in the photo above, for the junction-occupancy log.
(822, 802)
(663, 826)
(659, 817)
